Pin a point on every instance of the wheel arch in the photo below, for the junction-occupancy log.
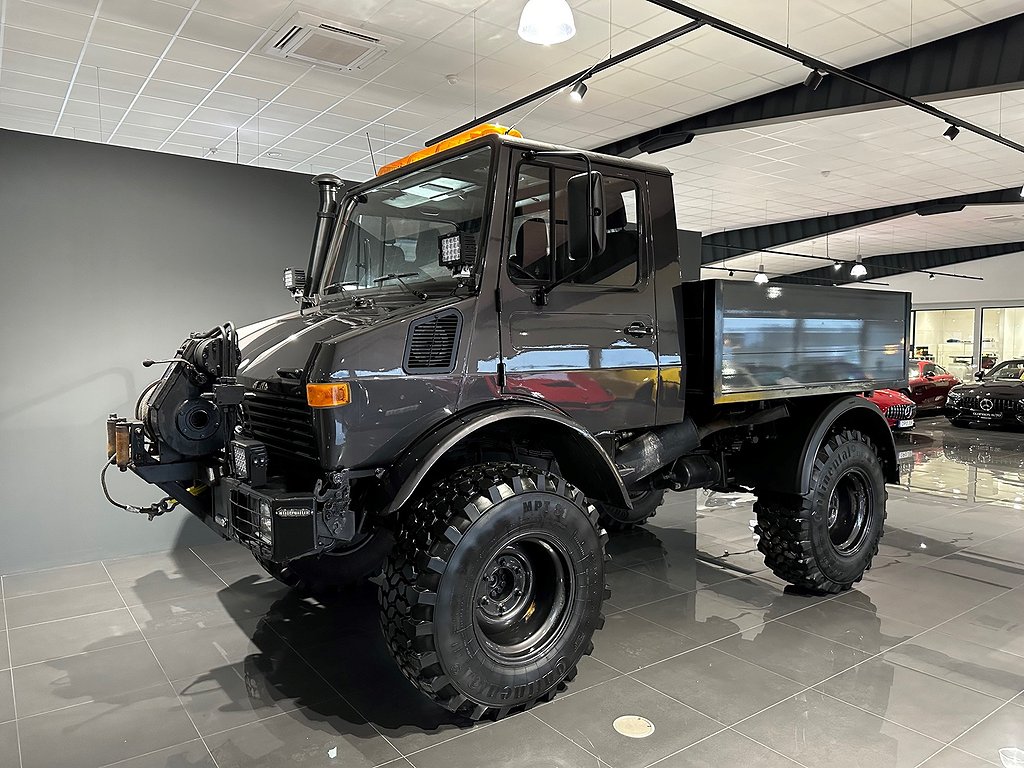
(813, 419)
(581, 459)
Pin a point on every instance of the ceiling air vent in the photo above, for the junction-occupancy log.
(331, 44)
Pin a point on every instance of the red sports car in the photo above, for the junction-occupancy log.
(929, 384)
(898, 409)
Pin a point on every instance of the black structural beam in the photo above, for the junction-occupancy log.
(981, 60)
(765, 237)
(880, 267)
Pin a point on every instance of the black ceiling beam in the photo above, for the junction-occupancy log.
(980, 60)
(765, 237)
(881, 267)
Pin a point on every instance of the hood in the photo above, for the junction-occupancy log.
(885, 398)
(287, 341)
(1007, 388)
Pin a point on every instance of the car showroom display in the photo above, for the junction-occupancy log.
(995, 399)
(493, 360)
(898, 409)
(928, 384)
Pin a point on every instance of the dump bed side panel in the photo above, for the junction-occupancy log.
(760, 342)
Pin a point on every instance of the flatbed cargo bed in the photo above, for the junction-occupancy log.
(749, 342)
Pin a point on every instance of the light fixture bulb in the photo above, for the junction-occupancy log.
(761, 278)
(837, 266)
(578, 92)
(952, 132)
(858, 269)
(547, 22)
(1022, 191)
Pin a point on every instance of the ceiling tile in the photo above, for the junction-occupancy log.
(186, 74)
(222, 32)
(52, 21)
(150, 14)
(29, 41)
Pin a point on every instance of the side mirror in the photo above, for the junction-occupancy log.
(979, 375)
(587, 225)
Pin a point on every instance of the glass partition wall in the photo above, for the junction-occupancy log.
(946, 336)
(1002, 335)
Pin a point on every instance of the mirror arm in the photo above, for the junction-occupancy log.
(540, 296)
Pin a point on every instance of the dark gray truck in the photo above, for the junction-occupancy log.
(494, 360)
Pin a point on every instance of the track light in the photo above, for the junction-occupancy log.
(837, 266)
(931, 276)
(578, 92)
(814, 79)
(732, 273)
(761, 278)
(858, 269)
(952, 132)
(1022, 191)
(547, 22)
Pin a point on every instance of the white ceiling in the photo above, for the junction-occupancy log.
(182, 76)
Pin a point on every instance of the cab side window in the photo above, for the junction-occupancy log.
(540, 251)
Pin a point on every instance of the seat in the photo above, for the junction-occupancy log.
(531, 253)
(622, 245)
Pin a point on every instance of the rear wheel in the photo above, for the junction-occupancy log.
(825, 541)
(645, 506)
(328, 572)
(494, 589)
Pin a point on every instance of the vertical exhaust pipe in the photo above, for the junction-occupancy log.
(326, 220)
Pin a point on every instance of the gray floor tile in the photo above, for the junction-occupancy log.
(63, 604)
(522, 741)
(934, 707)
(629, 642)
(630, 589)
(680, 569)
(861, 629)
(129, 569)
(198, 611)
(640, 545)
(6, 697)
(587, 720)
(727, 749)
(221, 552)
(237, 694)
(193, 652)
(21, 584)
(96, 676)
(192, 754)
(336, 736)
(9, 744)
(980, 567)
(66, 637)
(996, 624)
(791, 652)
(719, 685)
(956, 591)
(741, 556)
(925, 607)
(161, 585)
(5, 656)
(821, 732)
(1005, 728)
(951, 757)
(962, 662)
(102, 732)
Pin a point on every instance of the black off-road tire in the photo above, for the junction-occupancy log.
(806, 540)
(328, 573)
(435, 613)
(645, 506)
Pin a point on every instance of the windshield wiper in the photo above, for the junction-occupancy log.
(325, 289)
(398, 277)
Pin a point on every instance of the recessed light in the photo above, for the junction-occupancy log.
(274, 155)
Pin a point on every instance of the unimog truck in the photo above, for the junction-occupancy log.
(493, 361)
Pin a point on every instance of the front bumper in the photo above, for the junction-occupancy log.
(975, 415)
(276, 525)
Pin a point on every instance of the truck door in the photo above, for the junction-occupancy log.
(591, 349)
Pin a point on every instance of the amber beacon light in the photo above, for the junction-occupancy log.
(327, 395)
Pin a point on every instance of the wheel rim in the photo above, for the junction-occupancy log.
(523, 598)
(849, 510)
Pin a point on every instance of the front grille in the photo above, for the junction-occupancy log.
(900, 412)
(999, 404)
(245, 518)
(284, 423)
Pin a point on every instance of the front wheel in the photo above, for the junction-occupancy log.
(825, 541)
(494, 589)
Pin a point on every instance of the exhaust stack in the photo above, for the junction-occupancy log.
(326, 220)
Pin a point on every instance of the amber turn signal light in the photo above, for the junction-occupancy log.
(327, 395)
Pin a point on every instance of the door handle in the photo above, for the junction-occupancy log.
(638, 329)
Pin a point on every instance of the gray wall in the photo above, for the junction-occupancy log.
(111, 255)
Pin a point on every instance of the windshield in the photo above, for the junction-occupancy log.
(390, 233)
(1009, 371)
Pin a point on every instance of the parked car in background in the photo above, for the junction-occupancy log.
(997, 398)
(929, 384)
(898, 409)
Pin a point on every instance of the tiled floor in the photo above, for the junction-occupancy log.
(196, 659)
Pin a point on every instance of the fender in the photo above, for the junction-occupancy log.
(581, 458)
(813, 418)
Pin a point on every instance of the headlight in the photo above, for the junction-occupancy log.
(238, 461)
(266, 522)
(954, 395)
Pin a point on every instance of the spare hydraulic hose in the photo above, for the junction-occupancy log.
(153, 510)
